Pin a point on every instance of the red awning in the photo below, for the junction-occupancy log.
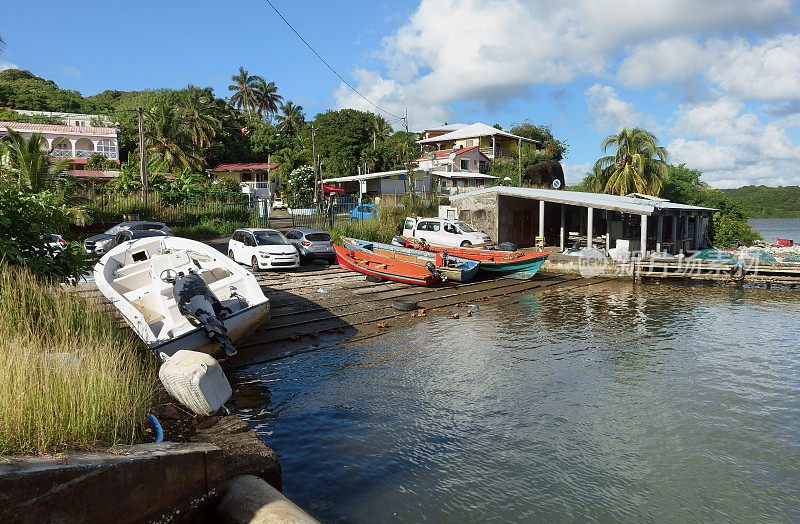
(331, 189)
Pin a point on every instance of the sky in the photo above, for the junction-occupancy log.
(717, 81)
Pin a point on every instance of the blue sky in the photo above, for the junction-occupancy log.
(717, 81)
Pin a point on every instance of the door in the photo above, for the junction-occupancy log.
(450, 235)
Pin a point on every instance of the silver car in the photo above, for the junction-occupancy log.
(312, 243)
(99, 244)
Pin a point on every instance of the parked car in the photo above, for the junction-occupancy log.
(262, 249)
(278, 204)
(444, 232)
(364, 212)
(312, 243)
(127, 234)
(99, 244)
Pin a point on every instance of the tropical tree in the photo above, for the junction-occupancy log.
(290, 119)
(638, 164)
(244, 90)
(30, 163)
(202, 115)
(380, 129)
(167, 139)
(290, 159)
(189, 180)
(266, 97)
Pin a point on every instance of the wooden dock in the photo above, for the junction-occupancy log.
(320, 305)
(763, 272)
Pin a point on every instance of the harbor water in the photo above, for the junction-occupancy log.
(619, 401)
(774, 228)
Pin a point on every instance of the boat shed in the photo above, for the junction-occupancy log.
(546, 217)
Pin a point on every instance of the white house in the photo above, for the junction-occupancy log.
(76, 143)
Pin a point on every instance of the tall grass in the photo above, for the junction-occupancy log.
(388, 224)
(70, 378)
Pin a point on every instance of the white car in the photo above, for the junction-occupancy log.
(262, 249)
(444, 232)
(278, 204)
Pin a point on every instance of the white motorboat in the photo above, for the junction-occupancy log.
(178, 294)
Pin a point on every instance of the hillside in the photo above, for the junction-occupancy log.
(767, 202)
(22, 89)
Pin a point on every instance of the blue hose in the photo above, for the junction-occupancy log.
(159, 431)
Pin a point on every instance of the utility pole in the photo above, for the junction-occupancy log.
(314, 157)
(269, 186)
(519, 156)
(142, 164)
(410, 175)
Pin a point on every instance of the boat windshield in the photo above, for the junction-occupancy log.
(270, 238)
(466, 228)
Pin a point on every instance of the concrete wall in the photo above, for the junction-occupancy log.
(481, 212)
(474, 157)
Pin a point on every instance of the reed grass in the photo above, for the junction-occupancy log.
(70, 379)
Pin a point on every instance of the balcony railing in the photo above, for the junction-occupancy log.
(257, 185)
(81, 153)
(491, 153)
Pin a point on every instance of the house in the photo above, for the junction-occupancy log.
(562, 218)
(438, 131)
(70, 119)
(492, 142)
(382, 183)
(470, 159)
(75, 143)
(253, 177)
(452, 182)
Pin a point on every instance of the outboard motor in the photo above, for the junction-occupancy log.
(198, 304)
(433, 271)
(399, 241)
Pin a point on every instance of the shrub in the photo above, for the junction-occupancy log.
(725, 231)
(69, 381)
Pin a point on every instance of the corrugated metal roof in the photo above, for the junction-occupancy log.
(253, 166)
(446, 127)
(472, 131)
(367, 176)
(638, 206)
(463, 174)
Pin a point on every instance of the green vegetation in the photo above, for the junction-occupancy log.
(767, 202)
(390, 222)
(556, 149)
(8, 115)
(23, 90)
(69, 381)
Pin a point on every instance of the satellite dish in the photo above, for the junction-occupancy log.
(556, 183)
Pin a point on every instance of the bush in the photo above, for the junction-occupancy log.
(69, 381)
(726, 231)
(26, 223)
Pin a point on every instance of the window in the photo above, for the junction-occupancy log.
(466, 228)
(106, 147)
(465, 164)
(434, 226)
(247, 177)
(409, 224)
(482, 166)
(318, 237)
(237, 236)
(470, 143)
(450, 228)
(270, 238)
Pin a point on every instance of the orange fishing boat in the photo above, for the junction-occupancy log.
(355, 258)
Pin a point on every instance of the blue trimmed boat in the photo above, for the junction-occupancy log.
(450, 267)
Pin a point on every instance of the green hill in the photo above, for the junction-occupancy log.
(767, 202)
(20, 89)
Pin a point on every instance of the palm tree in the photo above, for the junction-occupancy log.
(291, 119)
(201, 114)
(380, 129)
(244, 87)
(638, 165)
(29, 160)
(266, 97)
(290, 159)
(167, 140)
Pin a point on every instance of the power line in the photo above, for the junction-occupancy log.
(373, 104)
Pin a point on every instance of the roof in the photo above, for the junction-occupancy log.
(472, 131)
(252, 166)
(88, 173)
(252, 229)
(624, 204)
(445, 153)
(327, 188)
(463, 174)
(367, 176)
(445, 127)
(54, 129)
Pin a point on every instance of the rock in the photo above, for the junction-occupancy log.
(242, 451)
(250, 499)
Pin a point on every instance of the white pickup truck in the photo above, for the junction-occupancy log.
(444, 232)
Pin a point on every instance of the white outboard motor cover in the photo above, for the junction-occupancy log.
(196, 380)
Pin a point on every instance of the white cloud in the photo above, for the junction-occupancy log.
(485, 50)
(71, 71)
(609, 113)
(574, 173)
(670, 60)
(7, 65)
(732, 147)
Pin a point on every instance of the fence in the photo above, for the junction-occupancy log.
(324, 214)
(173, 208)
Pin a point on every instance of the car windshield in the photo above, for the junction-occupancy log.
(466, 228)
(270, 238)
(114, 230)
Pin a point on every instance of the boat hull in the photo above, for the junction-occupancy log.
(464, 271)
(526, 265)
(371, 265)
(522, 269)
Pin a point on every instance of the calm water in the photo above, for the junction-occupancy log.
(668, 403)
(774, 228)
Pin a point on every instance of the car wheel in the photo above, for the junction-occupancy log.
(466, 243)
(254, 264)
(230, 255)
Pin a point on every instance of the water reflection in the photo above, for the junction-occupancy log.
(626, 402)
